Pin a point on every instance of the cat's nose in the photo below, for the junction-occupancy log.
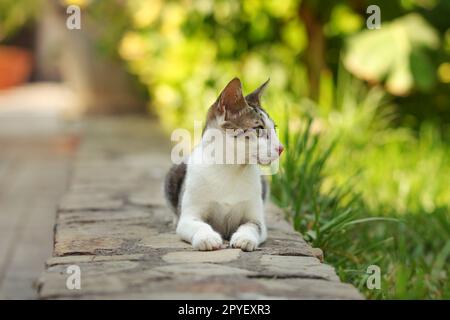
(280, 149)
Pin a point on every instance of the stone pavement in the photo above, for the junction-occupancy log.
(113, 223)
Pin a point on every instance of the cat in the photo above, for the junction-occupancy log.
(221, 201)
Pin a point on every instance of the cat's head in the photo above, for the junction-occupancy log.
(246, 120)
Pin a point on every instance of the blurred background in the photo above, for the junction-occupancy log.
(366, 179)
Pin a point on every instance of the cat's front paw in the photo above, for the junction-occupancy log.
(207, 241)
(244, 241)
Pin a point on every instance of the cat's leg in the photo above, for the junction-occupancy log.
(252, 233)
(249, 236)
(194, 230)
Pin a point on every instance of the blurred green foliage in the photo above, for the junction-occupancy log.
(184, 51)
(397, 166)
(403, 63)
(14, 14)
(379, 196)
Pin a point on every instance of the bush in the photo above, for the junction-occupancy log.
(370, 194)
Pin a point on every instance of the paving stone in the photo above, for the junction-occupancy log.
(307, 267)
(200, 269)
(97, 278)
(130, 295)
(164, 240)
(275, 219)
(91, 258)
(312, 289)
(286, 247)
(231, 287)
(162, 216)
(95, 238)
(318, 253)
(188, 288)
(149, 195)
(68, 217)
(218, 256)
(87, 245)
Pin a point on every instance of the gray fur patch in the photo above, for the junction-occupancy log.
(173, 186)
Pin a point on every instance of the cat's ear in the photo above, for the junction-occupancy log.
(255, 96)
(231, 98)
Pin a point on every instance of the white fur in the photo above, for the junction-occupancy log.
(226, 197)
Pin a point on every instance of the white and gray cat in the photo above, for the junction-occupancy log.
(226, 201)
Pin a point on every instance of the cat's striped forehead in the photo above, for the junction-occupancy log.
(262, 115)
(252, 116)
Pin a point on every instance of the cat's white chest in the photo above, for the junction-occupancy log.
(224, 185)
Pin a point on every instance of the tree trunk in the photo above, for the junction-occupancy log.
(315, 51)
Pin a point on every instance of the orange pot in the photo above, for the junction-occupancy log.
(15, 66)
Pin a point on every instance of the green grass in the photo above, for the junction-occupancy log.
(368, 193)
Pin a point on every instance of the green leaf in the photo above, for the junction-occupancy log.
(423, 70)
(394, 54)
